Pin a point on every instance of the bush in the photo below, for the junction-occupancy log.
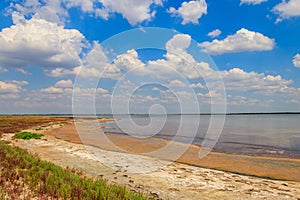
(28, 135)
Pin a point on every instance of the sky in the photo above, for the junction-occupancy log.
(149, 56)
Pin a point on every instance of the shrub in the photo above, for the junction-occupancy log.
(28, 135)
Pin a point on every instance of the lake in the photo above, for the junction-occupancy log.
(277, 134)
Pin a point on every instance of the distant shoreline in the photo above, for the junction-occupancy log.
(174, 114)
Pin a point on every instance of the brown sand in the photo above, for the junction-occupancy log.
(269, 167)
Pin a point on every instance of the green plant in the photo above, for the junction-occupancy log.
(28, 135)
(44, 179)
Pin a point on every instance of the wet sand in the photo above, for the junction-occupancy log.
(261, 166)
(62, 146)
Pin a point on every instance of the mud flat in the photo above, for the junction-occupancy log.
(172, 180)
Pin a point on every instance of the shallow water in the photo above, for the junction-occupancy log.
(251, 134)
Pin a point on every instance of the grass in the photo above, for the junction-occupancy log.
(22, 174)
(28, 135)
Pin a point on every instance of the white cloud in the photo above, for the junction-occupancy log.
(61, 72)
(103, 13)
(52, 90)
(210, 94)
(242, 100)
(12, 86)
(253, 2)
(177, 83)
(23, 71)
(50, 10)
(287, 9)
(179, 42)
(18, 18)
(101, 90)
(190, 11)
(242, 40)
(257, 83)
(57, 10)
(62, 87)
(2, 69)
(198, 85)
(214, 33)
(177, 59)
(132, 10)
(296, 60)
(292, 101)
(85, 5)
(9, 96)
(40, 43)
(95, 64)
(64, 83)
(129, 61)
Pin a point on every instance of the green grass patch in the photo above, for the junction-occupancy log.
(28, 135)
(18, 168)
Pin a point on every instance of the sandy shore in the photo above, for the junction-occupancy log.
(171, 180)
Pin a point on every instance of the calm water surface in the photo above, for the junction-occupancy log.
(254, 134)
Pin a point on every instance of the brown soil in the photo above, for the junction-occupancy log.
(12, 124)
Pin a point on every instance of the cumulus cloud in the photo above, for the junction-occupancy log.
(190, 11)
(94, 64)
(134, 11)
(64, 83)
(18, 18)
(57, 10)
(177, 83)
(242, 100)
(50, 10)
(287, 9)
(12, 86)
(177, 58)
(237, 79)
(179, 42)
(38, 42)
(52, 90)
(296, 60)
(242, 40)
(214, 33)
(84, 5)
(198, 85)
(129, 61)
(253, 2)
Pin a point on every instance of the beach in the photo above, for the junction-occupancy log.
(253, 177)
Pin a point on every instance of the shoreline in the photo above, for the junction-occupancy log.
(275, 155)
(273, 167)
(171, 181)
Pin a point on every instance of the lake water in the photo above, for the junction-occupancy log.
(250, 134)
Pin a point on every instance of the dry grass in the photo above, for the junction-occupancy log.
(12, 124)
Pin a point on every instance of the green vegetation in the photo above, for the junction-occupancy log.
(28, 135)
(22, 174)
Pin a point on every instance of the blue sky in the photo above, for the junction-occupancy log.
(198, 56)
